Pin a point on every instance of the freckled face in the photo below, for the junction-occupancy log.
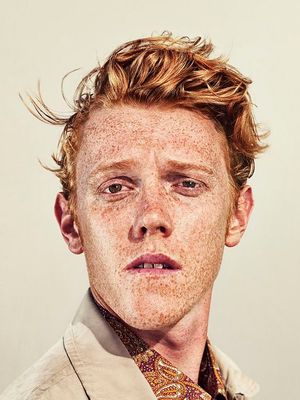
(152, 203)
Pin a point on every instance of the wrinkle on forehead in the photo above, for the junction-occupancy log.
(133, 132)
(122, 129)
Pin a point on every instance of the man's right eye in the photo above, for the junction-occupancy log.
(114, 188)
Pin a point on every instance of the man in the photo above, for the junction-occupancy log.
(154, 164)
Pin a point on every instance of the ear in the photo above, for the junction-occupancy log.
(67, 224)
(239, 219)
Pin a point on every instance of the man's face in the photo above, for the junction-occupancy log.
(169, 196)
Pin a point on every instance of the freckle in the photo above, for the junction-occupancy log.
(116, 133)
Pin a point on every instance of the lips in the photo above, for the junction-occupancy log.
(153, 262)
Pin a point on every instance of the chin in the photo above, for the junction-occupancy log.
(153, 317)
(151, 322)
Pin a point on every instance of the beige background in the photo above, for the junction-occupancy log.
(255, 308)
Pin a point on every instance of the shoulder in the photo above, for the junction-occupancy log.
(51, 377)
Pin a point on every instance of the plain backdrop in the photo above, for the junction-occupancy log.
(255, 317)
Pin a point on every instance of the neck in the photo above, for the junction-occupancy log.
(183, 344)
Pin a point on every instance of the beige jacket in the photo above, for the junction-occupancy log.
(90, 362)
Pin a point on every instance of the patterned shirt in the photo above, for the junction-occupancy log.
(166, 380)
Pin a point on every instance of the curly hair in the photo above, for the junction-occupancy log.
(162, 70)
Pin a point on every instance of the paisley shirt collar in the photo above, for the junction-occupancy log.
(166, 380)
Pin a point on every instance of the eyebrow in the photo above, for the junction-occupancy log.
(131, 164)
(115, 166)
(185, 166)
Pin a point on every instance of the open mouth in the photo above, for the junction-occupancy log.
(153, 263)
(150, 266)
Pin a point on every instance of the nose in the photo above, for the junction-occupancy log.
(152, 218)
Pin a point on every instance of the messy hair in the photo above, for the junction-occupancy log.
(161, 70)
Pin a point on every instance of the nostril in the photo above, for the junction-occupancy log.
(161, 228)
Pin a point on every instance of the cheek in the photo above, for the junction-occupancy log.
(103, 231)
(203, 222)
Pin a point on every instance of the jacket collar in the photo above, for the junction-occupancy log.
(238, 385)
(106, 369)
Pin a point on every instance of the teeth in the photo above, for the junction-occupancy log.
(150, 265)
(140, 266)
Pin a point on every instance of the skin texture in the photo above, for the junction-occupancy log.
(156, 208)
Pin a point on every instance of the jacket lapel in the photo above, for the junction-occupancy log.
(100, 360)
(107, 371)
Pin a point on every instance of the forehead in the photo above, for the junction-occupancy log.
(125, 131)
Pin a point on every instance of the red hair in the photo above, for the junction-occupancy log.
(168, 71)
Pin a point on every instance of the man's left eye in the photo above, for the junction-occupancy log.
(189, 184)
(190, 187)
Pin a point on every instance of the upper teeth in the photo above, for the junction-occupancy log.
(150, 265)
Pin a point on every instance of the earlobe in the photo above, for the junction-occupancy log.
(240, 217)
(68, 227)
